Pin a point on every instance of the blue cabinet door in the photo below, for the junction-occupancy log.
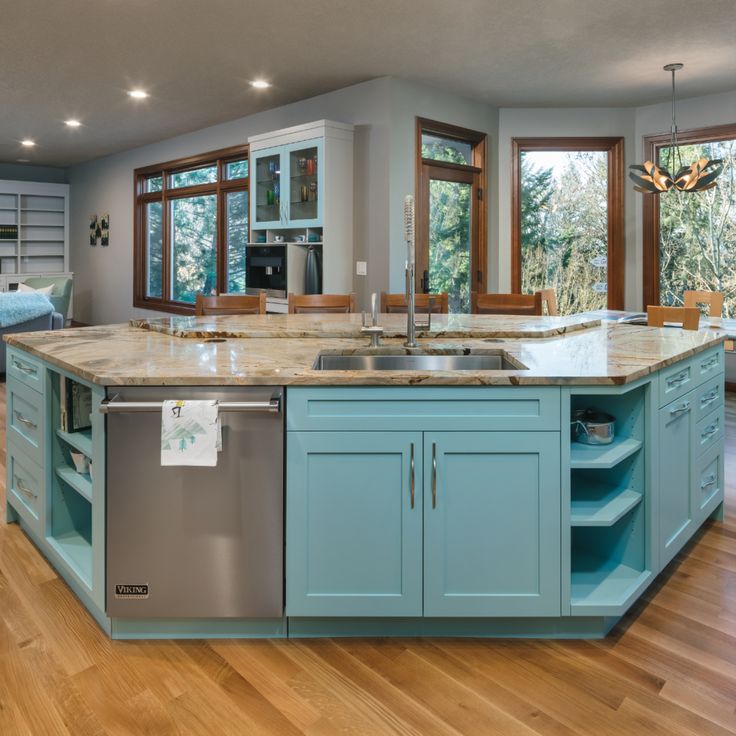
(492, 524)
(354, 524)
(676, 522)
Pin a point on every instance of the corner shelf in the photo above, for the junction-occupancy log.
(82, 484)
(76, 551)
(602, 584)
(602, 456)
(81, 440)
(591, 507)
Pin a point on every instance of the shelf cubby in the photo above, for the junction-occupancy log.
(81, 483)
(81, 440)
(603, 456)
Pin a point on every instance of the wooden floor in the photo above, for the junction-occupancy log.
(669, 668)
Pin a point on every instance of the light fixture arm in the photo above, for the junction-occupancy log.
(674, 149)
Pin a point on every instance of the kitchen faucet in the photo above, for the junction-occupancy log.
(411, 326)
(374, 329)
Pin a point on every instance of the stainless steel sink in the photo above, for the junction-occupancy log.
(417, 362)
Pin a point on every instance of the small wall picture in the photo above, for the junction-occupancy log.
(105, 229)
(93, 229)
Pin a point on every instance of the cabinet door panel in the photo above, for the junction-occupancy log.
(354, 542)
(492, 524)
(675, 474)
(266, 184)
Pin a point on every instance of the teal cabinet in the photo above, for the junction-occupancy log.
(492, 524)
(354, 524)
(287, 185)
(676, 522)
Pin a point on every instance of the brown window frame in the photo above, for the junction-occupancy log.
(650, 202)
(220, 158)
(614, 146)
(474, 174)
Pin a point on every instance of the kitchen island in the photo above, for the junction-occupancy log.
(433, 502)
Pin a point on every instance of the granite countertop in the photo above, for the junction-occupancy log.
(594, 353)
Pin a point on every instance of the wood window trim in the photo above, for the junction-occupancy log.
(614, 146)
(652, 144)
(141, 198)
(479, 166)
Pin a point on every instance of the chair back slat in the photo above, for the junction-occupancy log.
(688, 317)
(321, 303)
(207, 306)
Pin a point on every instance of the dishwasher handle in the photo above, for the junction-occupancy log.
(110, 406)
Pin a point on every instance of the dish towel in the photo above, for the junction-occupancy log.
(190, 433)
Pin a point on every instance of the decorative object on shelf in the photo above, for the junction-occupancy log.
(312, 271)
(649, 178)
(302, 164)
(311, 166)
(270, 197)
(93, 229)
(105, 230)
(81, 462)
(314, 237)
(8, 232)
(278, 238)
(303, 193)
(260, 237)
(592, 427)
(299, 239)
(312, 191)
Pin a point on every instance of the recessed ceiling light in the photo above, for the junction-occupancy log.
(139, 94)
(72, 123)
(260, 84)
(23, 160)
(28, 143)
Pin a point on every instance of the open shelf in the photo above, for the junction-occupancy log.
(601, 505)
(603, 456)
(602, 583)
(81, 440)
(76, 550)
(82, 484)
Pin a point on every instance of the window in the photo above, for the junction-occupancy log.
(451, 222)
(191, 229)
(567, 224)
(689, 238)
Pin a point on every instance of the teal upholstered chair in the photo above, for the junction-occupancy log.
(60, 296)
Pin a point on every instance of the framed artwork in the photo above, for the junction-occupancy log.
(93, 229)
(105, 229)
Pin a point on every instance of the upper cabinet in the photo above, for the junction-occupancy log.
(288, 186)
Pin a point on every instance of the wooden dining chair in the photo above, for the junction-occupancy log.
(230, 304)
(688, 317)
(321, 303)
(396, 303)
(549, 299)
(714, 300)
(521, 304)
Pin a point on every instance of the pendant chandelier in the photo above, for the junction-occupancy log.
(696, 177)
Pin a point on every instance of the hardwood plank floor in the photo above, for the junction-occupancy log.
(668, 668)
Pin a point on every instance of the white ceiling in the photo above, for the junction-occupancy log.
(77, 58)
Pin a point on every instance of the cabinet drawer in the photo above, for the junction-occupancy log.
(25, 369)
(707, 490)
(25, 419)
(709, 363)
(25, 484)
(709, 432)
(676, 381)
(423, 409)
(708, 397)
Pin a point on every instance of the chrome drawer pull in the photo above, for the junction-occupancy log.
(23, 420)
(23, 488)
(709, 363)
(434, 475)
(675, 410)
(411, 473)
(677, 380)
(25, 368)
(709, 398)
(710, 431)
(709, 481)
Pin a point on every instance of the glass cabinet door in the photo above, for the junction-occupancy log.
(305, 183)
(267, 194)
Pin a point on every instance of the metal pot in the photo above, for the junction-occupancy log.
(592, 427)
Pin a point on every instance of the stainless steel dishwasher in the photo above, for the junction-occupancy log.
(191, 541)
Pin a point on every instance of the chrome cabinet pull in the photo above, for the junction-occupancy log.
(677, 380)
(709, 363)
(411, 473)
(108, 406)
(25, 368)
(675, 410)
(708, 481)
(23, 420)
(709, 398)
(710, 431)
(434, 475)
(23, 488)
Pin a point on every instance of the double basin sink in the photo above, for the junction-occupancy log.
(417, 360)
